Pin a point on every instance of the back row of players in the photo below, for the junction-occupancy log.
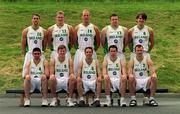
(84, 74)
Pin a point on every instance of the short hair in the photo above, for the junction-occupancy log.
(59, 12)
(138, 46)
(113, 46)
(36, 14)
(113, 15)
(85, 10)
(142, 14)
(61, 47)
(36, 49)
(88, 48)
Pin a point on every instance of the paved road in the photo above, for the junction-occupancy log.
(166, 106)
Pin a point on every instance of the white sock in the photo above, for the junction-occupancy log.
(81, 98)
(151, 98)
(69, 98)
(108, 97)
(133, 97)
(97, 99)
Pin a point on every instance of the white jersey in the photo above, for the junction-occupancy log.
(141, 37)
(60, 36)
(115, 37)
(89, 72)
(34, 38)
(86, 36)
(62, 69)
(114, 68)
(36, 70)
(140, 68)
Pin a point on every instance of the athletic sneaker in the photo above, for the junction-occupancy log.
(123, 102)
(27, 102)
(81, 103)
(54, 102)
(96, 103)
(70, 103)
(44, 102)
(145, 101)
(108, 103)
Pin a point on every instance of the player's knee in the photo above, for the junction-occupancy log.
(131, 78)
(99, 80)
(79, 80)
(123, 78)
(107, 79)
(153, 79)
(43, 78)
(52, 79)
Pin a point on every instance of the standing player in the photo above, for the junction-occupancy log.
(141, 34)
(114, 34)
(86, 35)
(32, 37)
(89, 77)
(115, 75)
(36, 77)
(60, 34)
(138, 77)
(61, 76)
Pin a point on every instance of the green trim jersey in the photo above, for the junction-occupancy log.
(115, 37)
(141, 37)
(114, 68)
(140, 68)
(36, 70)
(86, 36)
(89, 72)
(60, 36)
(62, 69)
(34, 38)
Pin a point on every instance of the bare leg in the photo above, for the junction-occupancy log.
(132, 85)
(123, 86)
(44, 86)
(27, 86)
(80, 87)
(107, 85)
(71, 83)
(53, 84)
(98, 92)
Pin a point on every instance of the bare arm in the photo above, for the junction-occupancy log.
(49, 36)
(151, 67)
(24, 40)
(27, 69)
(46, 68)
(71, 70)
(130, 40)
(80, 69)
(44, 42)
(97, 37)
(130, 67)
(104, 69)
(103, 36)
(98, 69)
(76, 37)
(52, 67)
(151, 38)
(125, 37)
(123, 67)
(71, 35)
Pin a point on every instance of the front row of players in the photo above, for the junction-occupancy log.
(89, 77)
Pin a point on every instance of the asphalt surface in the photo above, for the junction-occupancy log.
(167, 105)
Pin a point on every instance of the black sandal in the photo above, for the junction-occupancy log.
(133, 103)
(153, 103)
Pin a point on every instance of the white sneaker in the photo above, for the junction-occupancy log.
(54, 102)
(145, 101)
(107, 103)
(70, 103)
(123, 102)
(27, 102)
(44, 102)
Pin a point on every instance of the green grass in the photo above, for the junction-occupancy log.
(163, 17)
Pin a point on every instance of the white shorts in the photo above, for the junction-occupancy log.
(145, 54)
(62, 84)
(28, 57)
(79, 55)
(142, 83)
(35, 84)
(120, 55)
(89, 85)
(115, 82)
(54, 54)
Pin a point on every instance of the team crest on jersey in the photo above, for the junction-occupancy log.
(141, 74)
(114, 73)
(85, 39)
(61, 38)
(140, 40)
(115, 41)
(35, 41)
(88, 76)
(61, 74)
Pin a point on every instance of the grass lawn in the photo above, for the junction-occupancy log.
(163, 17)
